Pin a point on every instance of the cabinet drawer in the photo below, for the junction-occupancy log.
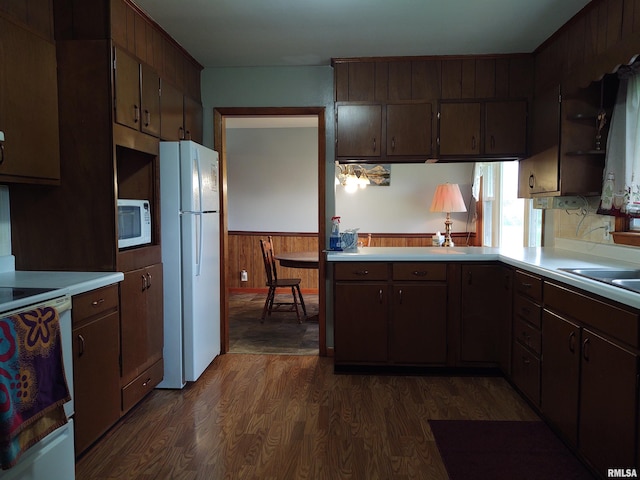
(527, 335)
(526, 309)
(608, 318)
(361, 271)
(141, 385)
(96, 302)
(529, 285)
(526, 372)
(420, 271)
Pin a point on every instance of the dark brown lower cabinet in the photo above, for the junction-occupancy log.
(525, 372)
(561, 374)
(360, 321)
(390, 313)
(608, 403)
(485, 315)
(590, 372)
(141, 334)
(96, 369)
(418, 330)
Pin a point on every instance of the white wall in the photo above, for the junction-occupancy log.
(272, 178)
(403, 206)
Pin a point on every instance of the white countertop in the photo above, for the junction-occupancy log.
(62, 283)
(542, 261)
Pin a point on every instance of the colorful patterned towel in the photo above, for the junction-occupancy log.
(33, 386)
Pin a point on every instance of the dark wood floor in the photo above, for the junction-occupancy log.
(290, 417)
(279, 334)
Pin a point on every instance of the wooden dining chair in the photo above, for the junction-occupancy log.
(273, 282)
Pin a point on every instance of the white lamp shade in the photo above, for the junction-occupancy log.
(448, 199)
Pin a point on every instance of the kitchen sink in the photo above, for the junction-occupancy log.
(624, 278)
(631, 284)
(604, 273)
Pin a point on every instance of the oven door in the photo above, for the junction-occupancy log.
(52, 457)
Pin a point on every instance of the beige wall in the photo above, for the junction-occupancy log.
(575, 225)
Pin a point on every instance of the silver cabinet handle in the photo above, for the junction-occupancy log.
(585, 349)
(95, 303)
(572, 342)
(80, 345)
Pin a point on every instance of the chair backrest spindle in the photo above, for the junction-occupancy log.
(269, 260)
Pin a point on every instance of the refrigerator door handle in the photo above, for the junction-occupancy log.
(199, 180)
(200, 245)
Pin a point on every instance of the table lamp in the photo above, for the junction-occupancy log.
(448, 199)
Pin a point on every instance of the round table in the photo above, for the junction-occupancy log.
(298, 259)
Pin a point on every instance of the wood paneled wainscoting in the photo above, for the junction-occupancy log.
(245, 254)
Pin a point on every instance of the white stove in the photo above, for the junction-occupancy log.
(53, 456)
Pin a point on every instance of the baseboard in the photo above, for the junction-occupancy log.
(310, 291)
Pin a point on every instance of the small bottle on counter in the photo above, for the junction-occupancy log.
(334, 238)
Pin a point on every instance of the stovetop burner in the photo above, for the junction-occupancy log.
(10, 294)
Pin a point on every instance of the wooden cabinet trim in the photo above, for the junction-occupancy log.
(419, 271)
(94, 303)
(361, 271)
(529, 285)
(618, 322)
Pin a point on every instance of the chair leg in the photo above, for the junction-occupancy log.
(295, 304)
(268, 304)
(304, 308)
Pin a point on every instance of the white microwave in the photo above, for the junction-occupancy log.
(134, 222)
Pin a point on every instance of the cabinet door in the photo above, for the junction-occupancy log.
(127, 89)
(608, 403)
(409, 129)
(150, 100)
(192, 119)
(540, 172)
(96, 379)
(172, 113)
(418, 331)
(545, 121)
(155, 313)
(360, 322)
(358, 130)
(560, 374)
(28, 107)
(133, 311)
(141, 320)
(506, 128)
(459, 132)
(485, 312)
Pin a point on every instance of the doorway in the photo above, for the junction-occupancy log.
(221, 117)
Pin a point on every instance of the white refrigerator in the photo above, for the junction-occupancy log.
(190, 229)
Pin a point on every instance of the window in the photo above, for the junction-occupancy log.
(507, 219)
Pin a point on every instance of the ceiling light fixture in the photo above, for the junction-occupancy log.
(352, 177)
